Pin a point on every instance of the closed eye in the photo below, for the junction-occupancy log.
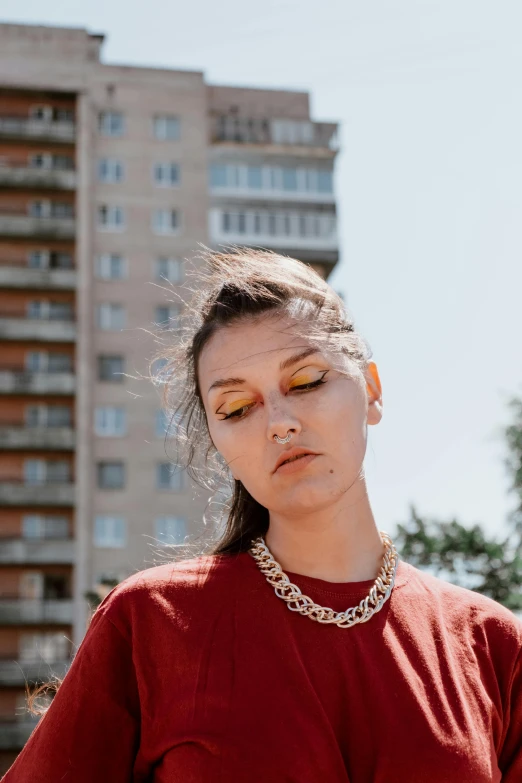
(237, 414)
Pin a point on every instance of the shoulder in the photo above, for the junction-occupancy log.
(461, 610)
(177, 588)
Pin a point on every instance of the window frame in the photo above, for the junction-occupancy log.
(113, 415)
(109, 538)
(158, 119)
(107, 129)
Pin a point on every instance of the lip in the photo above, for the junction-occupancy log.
(296, 451)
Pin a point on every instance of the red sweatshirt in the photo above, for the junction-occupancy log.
(197, 672)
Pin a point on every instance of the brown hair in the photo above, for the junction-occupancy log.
(228, 287)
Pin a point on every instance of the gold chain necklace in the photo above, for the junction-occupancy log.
(297, 602)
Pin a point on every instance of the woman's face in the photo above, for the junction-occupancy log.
(257, 382)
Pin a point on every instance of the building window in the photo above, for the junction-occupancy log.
(166, 174)
(170, 269)
(48, 416)
(162, 423)
(48, 161)
(255, 177)
(165, 221)
(43, 647)
(160, 371)
(38, 259)
(44, 361)
(43, 526)
(110, 316)
(110, 531)
(226, 222)
(324, 182)
(166, 422)
(110, 170)
(41, 112)
(40, 471)
(218, 176)
(111, 475)
(44, 310)
(241, 223)
(169, 476)
(111, 368)
(46, 259)
(167, 315)
(289, 179)
(44, 208)
(110, 217)
(170, 530)
(110, 420)
(166, 127)
(111, 123)
(292, 132)
(111, 266)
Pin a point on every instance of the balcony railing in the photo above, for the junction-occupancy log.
(32, 611)
(32, 177)
(42, 130)
(15, 671)
(14, 223)
(281, 230)
(274, 132)
(46, 550)
(17, 492)
(60, 438)
(20, 327)
(18, 276)
(16, 379)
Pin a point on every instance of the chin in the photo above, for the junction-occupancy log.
(309, 495)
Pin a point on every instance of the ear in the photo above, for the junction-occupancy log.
(374, 390)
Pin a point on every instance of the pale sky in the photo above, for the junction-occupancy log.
(429, 97)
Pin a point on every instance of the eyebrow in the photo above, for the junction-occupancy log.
(221, 382)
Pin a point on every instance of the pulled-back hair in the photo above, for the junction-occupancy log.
(226, 288)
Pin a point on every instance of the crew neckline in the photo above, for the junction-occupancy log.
(342, 589)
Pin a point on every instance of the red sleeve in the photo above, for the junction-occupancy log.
(510, 757)
(91, 731)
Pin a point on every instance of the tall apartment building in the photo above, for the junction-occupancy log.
(109, 177)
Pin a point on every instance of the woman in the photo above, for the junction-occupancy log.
(197, 671)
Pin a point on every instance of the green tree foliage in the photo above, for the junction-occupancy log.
(467, 556)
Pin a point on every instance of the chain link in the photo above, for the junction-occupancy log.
(297, 602)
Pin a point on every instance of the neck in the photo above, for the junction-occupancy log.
(339, 543)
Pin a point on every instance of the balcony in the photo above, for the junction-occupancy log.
(47, 330)
(309, 234)
(17, 493)
(47, 179)
(18, 224)
(304, 137)
(17, 672)
(16, 380)
(57, 551)
(21, 437)
(30, 611)
(40, 130)
(14, 734)
(18, 276)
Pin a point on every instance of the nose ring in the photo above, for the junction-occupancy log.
(283, 440)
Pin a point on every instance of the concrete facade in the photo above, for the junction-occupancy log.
(105, 170)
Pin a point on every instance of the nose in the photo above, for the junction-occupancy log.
(281, 420)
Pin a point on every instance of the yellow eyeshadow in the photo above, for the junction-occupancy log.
(300, 379)
(237, 404)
